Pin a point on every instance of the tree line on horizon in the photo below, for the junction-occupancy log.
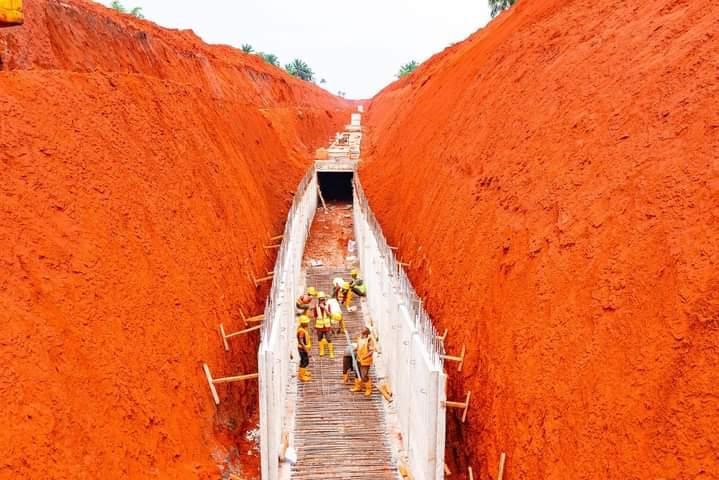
(298, 67)
(135, 11)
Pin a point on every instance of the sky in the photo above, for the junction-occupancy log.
(356, 46)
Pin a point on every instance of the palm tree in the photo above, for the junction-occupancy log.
(341, 93)
(498, 5)
(322, 81)
(117, 5)
(247, 48)
(137, 12)
(270, 58)
(407, 68)
(300, 69)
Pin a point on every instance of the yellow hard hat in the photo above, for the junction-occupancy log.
(322, 295)
(304, 320)
(346, 285)
(337, 316)
(354, 273)
(311, 291)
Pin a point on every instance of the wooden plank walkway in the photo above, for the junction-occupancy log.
(339, 434)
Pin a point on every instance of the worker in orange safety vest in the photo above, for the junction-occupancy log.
(365, 353)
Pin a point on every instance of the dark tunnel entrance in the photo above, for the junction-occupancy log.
(336, 186)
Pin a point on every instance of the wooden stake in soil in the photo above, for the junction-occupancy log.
(502, 459)
(442, 337)
(225, 336)
(214, 381)
(257, 281)
(464, 405)
(453, 358)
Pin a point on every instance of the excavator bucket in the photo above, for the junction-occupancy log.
(10, 13)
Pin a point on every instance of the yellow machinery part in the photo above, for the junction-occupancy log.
(10, 12)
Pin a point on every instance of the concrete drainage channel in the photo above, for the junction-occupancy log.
(411, 358)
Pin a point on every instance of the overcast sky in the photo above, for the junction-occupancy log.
(356, 46)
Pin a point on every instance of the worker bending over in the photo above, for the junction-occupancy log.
(323, 325)
(365, 352)
(347, 363)
(306, 301)
(342, 292)
(304, 345)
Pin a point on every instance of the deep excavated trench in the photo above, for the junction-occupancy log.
(336, 433)
(551, 183)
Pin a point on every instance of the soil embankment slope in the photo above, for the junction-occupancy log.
(142, 172)
(553, 181)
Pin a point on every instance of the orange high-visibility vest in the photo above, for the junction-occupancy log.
(364, 351)
(304, 337)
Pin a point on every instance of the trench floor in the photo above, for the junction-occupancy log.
(338, 434)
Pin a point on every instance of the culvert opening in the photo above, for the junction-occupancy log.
(336, 186)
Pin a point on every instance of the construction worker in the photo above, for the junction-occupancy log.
(323, 325)
(338, 322)
(347, 364)
(304, 345)
(365, 352)
(345, 295)
(337, 284)
(357, 284)
(305, 301)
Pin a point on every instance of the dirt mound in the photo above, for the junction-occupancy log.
(142, 171)
(562, 219)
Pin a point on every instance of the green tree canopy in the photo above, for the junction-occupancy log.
(300, 69)
(498, 5)
(247, 48)
(270, 58)
(117, 5)
(407, 68)
(135, 12)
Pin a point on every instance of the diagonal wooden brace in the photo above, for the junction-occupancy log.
(256, 318)
(225, 336)
(271, 247)
(257, 281)
(453, 358)
(214, 381)
(404, 264)
(464, 405)
(442, 337)
(277, 237)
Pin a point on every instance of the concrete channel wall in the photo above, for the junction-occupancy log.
(278, 329)
(409, 344)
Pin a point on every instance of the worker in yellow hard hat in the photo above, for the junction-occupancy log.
(304, 345)
(365, 353)
(323, 325)
(344, 294)
(305, 301)
(357, 284)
